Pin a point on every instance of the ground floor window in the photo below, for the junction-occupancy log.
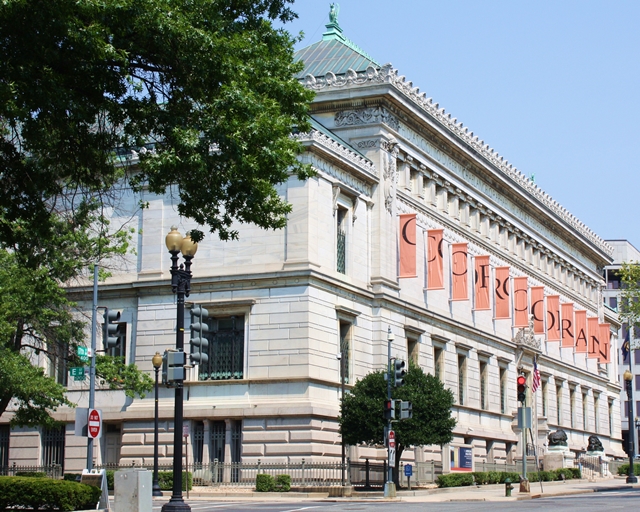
(53, 446)
(226, 349)
(4, 445)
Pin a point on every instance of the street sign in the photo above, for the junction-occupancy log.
(95, 423)
(392, 457)
(392, 440)
(408, 470)
(185, 430)
(77, 372)
(83, 354)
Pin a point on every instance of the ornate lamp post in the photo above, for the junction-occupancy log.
(628, 377)
(155, 491)
(181, 286)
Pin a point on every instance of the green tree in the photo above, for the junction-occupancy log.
(629, 306)
(197, 98)
(362, 413)
(37, 319)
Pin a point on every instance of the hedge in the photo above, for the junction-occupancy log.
(455, 480)
(499, 477)
(35, 493)
(165, 480)
(623, 470)
(266, 483)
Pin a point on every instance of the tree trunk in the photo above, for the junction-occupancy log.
(396, 469)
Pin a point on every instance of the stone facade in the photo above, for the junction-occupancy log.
(294, 299)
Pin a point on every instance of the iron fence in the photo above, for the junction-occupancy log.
(53, 471)
(423, 473)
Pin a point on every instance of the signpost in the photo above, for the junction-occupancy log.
(83, 354)
(95, 424)
(392, 448)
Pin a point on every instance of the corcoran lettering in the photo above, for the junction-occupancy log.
(581, 340)
(534, 310)
(484, 276)
(464, 255)
(566, 327)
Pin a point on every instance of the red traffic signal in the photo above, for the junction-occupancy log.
(522, 388)
(389, 410)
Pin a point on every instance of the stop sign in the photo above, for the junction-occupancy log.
(95, 423)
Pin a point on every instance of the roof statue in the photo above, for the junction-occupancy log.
(333, 13)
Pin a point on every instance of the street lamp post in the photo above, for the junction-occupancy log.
(157, 363)
(181, 286)
(628, 377)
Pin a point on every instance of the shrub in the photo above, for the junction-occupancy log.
(514, 477)
(110, 473)
(283, 483)
(264, 483)
(493, 477)
(624, 469)
(42, 474)
(480, 477)
(72, 477)
(568, 473)
(455, 480)
(165, 480)
(46, 493)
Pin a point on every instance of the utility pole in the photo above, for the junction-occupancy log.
(92, 368)
(389, 486)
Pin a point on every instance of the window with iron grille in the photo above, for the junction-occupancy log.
(236, 448)
(559, 404)
(341, 241)
(218, 434)
(198, 442)
(345, 349)
(544, 398)
(53, 446)
(4, 445)
(438, 363)
(226, 349)
(585, 415)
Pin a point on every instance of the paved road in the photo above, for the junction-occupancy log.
(593, 502)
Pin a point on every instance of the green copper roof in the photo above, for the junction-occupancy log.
(334, 53)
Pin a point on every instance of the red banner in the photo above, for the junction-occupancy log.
(553, 318)
(593, 330)
(580, 318)
(408, 245)
(482, 280)
(503, 306)
(566, 325)
(520, 302)
(459, 272)
(435, 261)
(605, 343)
(537, 309)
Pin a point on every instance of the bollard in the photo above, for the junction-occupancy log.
(507, 487)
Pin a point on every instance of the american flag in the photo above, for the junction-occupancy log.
(536, 376)
(625, 344)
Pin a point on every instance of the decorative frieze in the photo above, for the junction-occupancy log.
(370, 115)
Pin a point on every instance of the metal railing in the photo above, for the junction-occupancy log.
(592, 466)
(422, 473)
(499, 467)
(53, 471)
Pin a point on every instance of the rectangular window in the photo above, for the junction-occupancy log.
(503, 390)
(217, 440)
(461, 379)
(610, 419)
(572, 407)
(341, 241)
(613, 302)
(545, 396)
(413, 350)
(226, 349)
(4, 445)
(53, 446)
(484, 399)
(559, 405)
(585, 415)
(636, 356)
(438, 363)
(345, 350)
(58, 363)
(198, 442)
(236, 448)
(626, 408)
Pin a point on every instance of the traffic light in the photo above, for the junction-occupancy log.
(173, 362)
(406, 410)
(199, 328)
(398, 372)
(522, 388)
(112, 330)
(389, 410)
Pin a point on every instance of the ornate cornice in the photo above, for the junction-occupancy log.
(387, 74)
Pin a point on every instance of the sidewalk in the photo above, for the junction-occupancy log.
(471, 493)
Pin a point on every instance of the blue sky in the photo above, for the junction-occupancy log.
(553, 86)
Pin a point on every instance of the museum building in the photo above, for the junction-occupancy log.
(412, 224)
